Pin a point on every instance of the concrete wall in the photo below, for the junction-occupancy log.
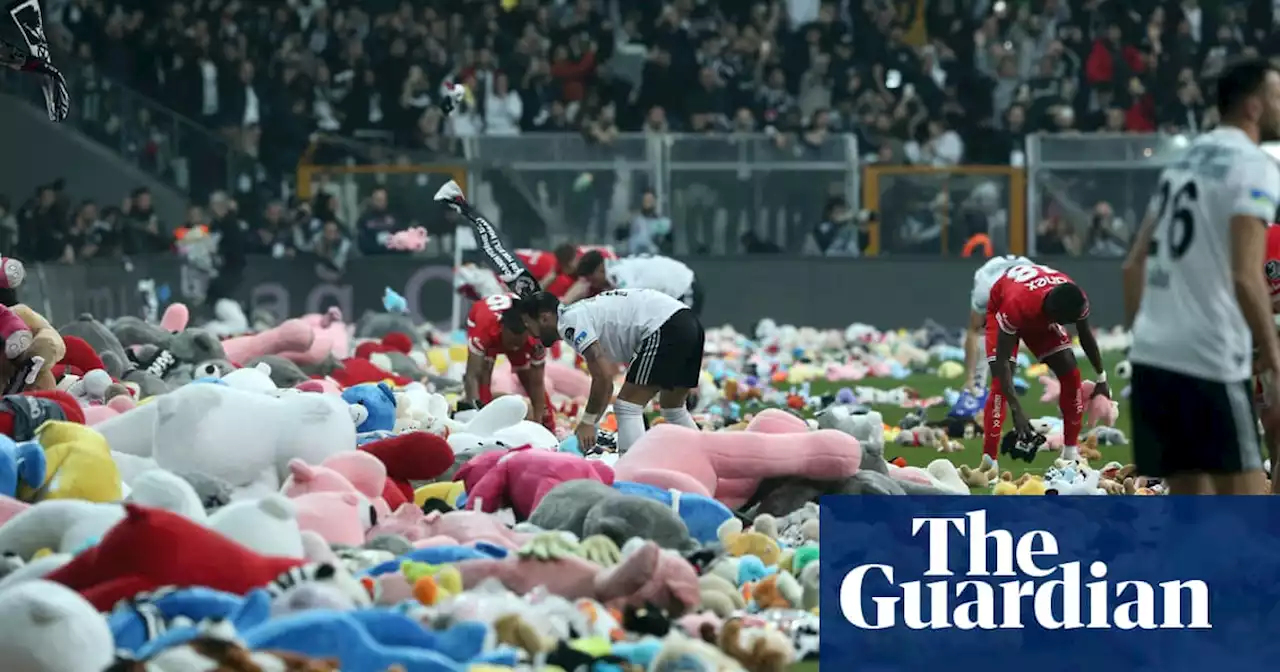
(38, 152)
(740, 291)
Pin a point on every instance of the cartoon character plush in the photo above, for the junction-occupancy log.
(374, 406)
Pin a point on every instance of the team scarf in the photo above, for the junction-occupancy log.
(509, 269)
(29, 20)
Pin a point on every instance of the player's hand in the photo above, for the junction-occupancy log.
(586, 436)
(1101, 390)
(1021, 424)
(971, 386)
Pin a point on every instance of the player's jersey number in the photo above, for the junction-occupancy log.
(1025, 273)
(1175, 227)
(498, 303)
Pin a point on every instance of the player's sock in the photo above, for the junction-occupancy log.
(993, 421)
(630, 419)
(989, 462)
(1071, 452)
(1071, 403)
(679, 416)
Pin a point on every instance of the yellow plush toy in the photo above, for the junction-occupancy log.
(448, 491)
(738, 543)
(80, 465)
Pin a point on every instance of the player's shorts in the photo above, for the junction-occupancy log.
(693, 298)
(1183, 424)
(1040, 342)
(670, 358)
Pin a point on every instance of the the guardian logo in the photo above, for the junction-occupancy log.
(1050, 593)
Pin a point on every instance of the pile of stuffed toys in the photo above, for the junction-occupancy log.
(305, 498)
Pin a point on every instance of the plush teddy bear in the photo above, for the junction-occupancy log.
(45, 344)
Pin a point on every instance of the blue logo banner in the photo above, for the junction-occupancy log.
(1175, 584)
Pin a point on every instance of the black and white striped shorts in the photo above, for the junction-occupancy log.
(671, 357)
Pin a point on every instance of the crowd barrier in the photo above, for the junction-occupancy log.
(740, 291)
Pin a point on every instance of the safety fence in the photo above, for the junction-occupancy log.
(809, 291)
(1079, 195)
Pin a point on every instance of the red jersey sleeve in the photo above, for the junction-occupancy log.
(484, 333)
(1272, 267)
(560, 285)
(540, 264)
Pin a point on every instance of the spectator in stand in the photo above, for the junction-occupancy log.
(233, 246)
(143, 232)
(42, 227)
(332, 246)
(375, 226)
(273, 233)
(8, 229)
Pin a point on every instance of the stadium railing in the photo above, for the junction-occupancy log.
(546, 188)
(947, 211)
(1069, 175)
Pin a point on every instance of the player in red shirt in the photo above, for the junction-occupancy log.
(1033, 303)
(493, 330)
(1262, 395)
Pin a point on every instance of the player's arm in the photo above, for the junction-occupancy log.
(577, 292)
(1090, 346)
(532, 379)
(602, 373)
(1135, 271)
(1255, 205)
(971, 339)
(478, 377)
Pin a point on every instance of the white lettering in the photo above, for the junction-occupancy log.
(1056, 594)
(938, 546)
(851, 599)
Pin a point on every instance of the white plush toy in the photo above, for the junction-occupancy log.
(243, 438)
(47, 627)
(252, 379)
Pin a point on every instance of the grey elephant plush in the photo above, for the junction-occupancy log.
(284, 373)
(376, 325)
(587, 508)
(177, 358)
(99, 337)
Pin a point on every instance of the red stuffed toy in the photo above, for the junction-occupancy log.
(153, 548)
(79, 359)
(22, 414)
(411, 456)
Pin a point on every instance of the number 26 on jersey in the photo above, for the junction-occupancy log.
(1175, 230)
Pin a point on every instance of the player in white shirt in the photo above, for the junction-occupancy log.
(1199, 304)
(659, 337)
(643, 271)
(983, 280)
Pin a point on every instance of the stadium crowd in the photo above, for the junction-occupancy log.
(935, 83)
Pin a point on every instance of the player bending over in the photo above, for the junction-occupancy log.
(1198, 303)
(1264, 394)
(983, 280)
(1032, 303)
(659, 336)
(664, 274)
(494, 329)
(547, 267)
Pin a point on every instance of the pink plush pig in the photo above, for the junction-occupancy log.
(338, 517)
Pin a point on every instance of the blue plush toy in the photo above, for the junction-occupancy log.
(370, 640)
(393, 302)
(440, 555)
(20, 462)
(379, 403)
(143, 626)
(701, 514)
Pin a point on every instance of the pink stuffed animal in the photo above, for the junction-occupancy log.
(338, 517)
(289, 336)
(730, 465)
(175, 318)
(355, 472)
(12, 272)
(456, 528)
(330, 338)
(560, 380)
(409, 240)
(16, 334)
(319, 386)
(637, 577)
(520, 477)
(1099, 410)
